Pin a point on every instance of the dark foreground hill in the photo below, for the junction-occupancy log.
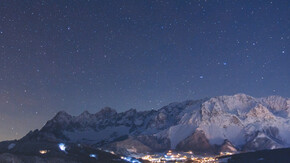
(268, 156)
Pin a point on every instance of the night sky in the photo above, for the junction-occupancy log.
(85, 55)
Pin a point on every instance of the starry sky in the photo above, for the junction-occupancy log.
(84, 55)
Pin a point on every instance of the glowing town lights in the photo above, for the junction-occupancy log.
(226, 153)
(171, 156)
(130, 159)
(43, 151)
(62, 146)
(190, 152)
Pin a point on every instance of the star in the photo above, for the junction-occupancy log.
(93, 54)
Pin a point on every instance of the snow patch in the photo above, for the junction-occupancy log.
(178, 133)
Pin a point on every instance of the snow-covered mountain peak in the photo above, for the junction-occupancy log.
(239, 103)
(260, 112)
(85, 113)
(84, 116)
(62, 116)
(276, 103)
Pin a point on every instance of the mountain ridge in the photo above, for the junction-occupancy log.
(244, 121)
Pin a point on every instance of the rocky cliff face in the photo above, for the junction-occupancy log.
(227, 146)
(196, 142)
(247, 123)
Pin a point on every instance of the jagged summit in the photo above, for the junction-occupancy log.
(85, 113)
(106, 111)
(84, 116)
(62, 116)
(236, 119)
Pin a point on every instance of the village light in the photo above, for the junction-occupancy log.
(43, 151)
(93, 155)
(62, 146)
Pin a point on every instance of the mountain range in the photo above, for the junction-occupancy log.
(211, 125)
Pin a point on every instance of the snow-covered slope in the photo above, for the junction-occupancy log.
(240, 119)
